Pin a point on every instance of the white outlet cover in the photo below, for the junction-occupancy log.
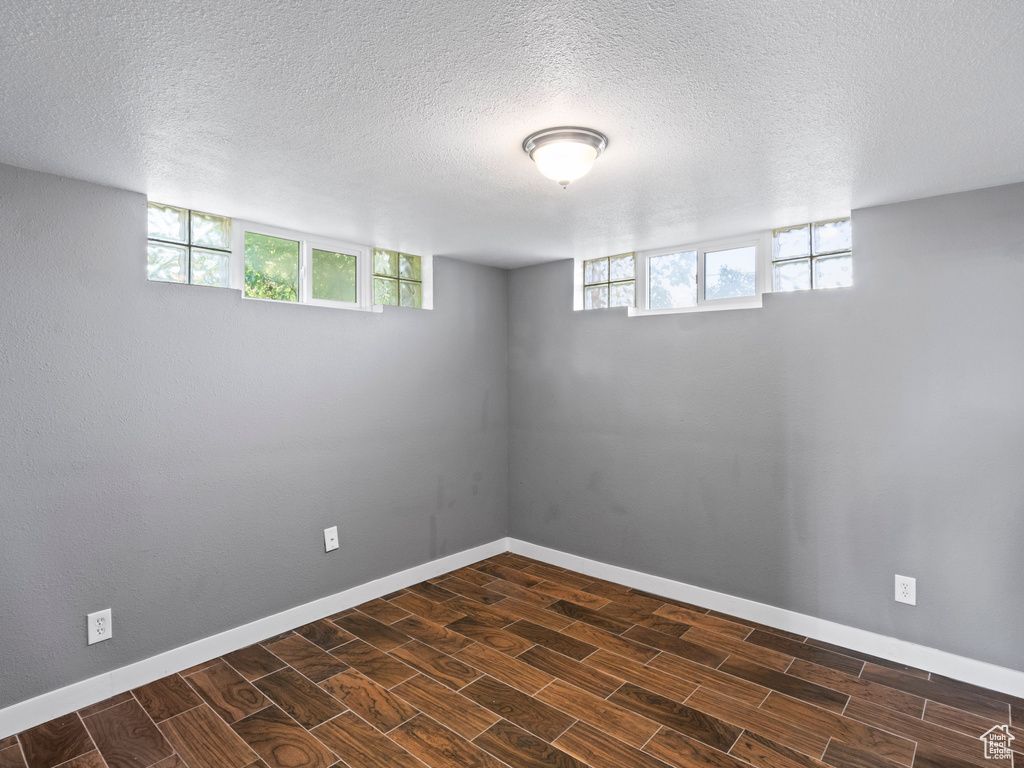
(906, 589)
(331, 538)
(100, 626)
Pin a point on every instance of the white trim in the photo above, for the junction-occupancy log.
(980, 673)
(27, 714)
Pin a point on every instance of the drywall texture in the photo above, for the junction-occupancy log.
(803, 453)
(174, 452)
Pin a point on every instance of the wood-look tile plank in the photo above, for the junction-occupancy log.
(473, 576)
(440, 666)
(967, 723)
(703, 620)
(359, 745)
(555, 641)
(506, 573)
(1009, 698)
(228, 693)
(663, 625)
(600, 750)
(616, 721)
(678, 647)
(535, 613)
(589, 616)
(166, 697)
(811, 653)
(11, 757)
(11, 741)
(611, 642)
(281, 742)
(618, 610)
(451, 709)
(372, 702)
(92, 760)
(679, 717)
(175, 761)
(798, 736)
(638, 602)
(634, 672)
(571, 594)
(440, 747)
(765, 753)
(100, 706)
(791, 686)
(300, 698)
(571, 671)
(428, 609)
(471, 591)
(756, 625)
(864, 656)
(495, 615)
(323, 633)
(253, 662)
(858, 687)
(521, 749)
(521, 593)
(127, 737)
(312, 661)
(512, 560)
(491, 636)
(505, 668)
(937, 690)
(432, 592)
(558, 575)
(739, 649)
(683, 752)
(668, 600)
(844, 729)
(55, 742)
(376, 665)
(434, 635)
(603, 588)
(206, 741)
(956, 745)
(384, 611)
(840, 755)
(216, 660)
(515, 706)
(377, 634)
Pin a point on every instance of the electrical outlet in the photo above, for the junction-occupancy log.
(100, 626)
(906, 590)
(331, 538)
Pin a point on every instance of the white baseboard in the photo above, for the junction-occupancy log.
(958, 667)
(27, 714)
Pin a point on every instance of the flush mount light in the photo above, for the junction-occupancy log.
(564, 154)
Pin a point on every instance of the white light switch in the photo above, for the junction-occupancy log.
(330, 538)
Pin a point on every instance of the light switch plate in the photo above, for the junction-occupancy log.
(330, 538)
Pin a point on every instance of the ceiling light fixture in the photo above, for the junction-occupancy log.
(566, 153)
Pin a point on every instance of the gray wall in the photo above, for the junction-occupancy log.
(803, 453)
(174, 452)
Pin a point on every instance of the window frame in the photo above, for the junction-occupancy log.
(811, 256)
(761, 242)
(189, 246)
(307, 243)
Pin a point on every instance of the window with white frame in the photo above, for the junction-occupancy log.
(397, 279)
(810, 256)
(610, 281)
(189, 247)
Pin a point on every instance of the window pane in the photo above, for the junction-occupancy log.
(334, 276)
(385, 291)
(211, 268)
(834, 272)
(595, 271)
(168, 263)
(271, 268)
(409, 267)
(792, 275)
(385, 263)
(730, 273)
(673, 280)
(832, 236)
(623, 267)
(596, 297)
(623, 294)
(211, 231)
(168, 223)
(410, 294)
(791, 243)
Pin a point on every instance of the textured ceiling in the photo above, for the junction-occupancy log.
(400, 124)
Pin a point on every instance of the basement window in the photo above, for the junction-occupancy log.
(812, 256)
(610, 281)
(397, 279)
(188, 247)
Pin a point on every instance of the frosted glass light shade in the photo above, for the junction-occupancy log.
(564, 154)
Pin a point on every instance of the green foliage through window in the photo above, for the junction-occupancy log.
(271, 267)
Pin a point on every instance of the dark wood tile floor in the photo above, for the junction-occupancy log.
(512, 663)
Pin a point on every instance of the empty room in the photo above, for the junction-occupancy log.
(511, 385)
